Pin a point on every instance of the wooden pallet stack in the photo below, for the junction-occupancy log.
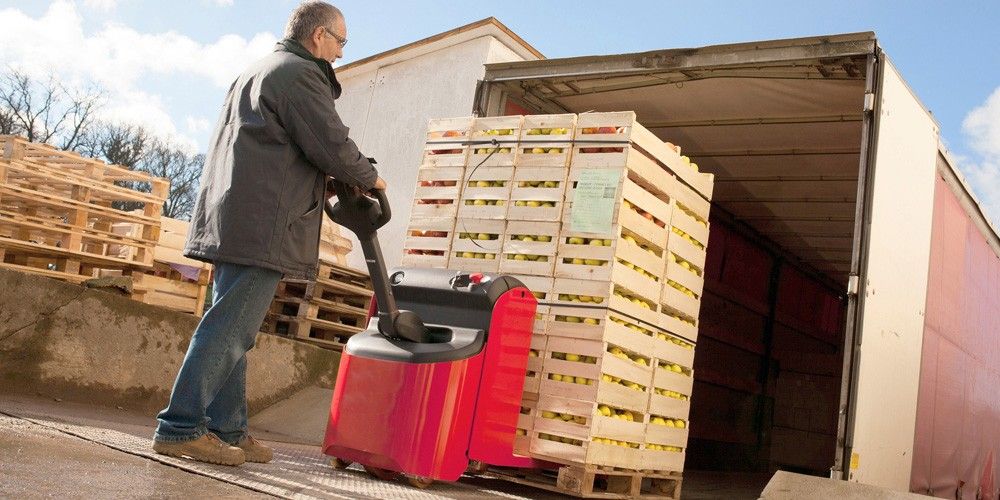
(607, 225)
(324, 312)
(57, 213)
(174, 281)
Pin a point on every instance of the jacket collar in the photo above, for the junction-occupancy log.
(295, 47)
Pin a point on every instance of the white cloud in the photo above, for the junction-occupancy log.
(101, 4)
(117, 57)
(223, 3)
(197, 125)
(982, 128)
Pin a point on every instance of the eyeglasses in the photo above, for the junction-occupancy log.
(341, 41)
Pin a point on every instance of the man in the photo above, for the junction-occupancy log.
(258, 217)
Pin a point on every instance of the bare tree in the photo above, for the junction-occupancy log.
(116, 143)
(46, 111)
(183, 170)
(135, 147)
(7, 124)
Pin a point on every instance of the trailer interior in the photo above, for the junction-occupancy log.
(783, 127)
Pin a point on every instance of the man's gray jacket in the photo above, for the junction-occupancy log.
(263, 187)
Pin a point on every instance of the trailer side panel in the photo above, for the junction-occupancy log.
(894, 291)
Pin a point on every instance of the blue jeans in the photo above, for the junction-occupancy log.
(209, 394)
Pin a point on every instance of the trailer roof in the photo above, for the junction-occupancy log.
(779, 123)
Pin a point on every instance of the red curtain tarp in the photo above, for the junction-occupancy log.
(957, 437)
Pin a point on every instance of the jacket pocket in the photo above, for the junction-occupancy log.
(308, 213)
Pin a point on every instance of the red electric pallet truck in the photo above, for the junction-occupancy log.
(432, 388)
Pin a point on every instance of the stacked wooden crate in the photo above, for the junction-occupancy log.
(174, 281)
(324, 312)
(58, 210)
(607, 225)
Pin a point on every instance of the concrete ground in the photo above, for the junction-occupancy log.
(51, 448)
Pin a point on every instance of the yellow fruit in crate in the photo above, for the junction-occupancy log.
(533, 203)
(527, 239)
(694, 166)
(575, 241)
(504, 150)
(572, 357)
(594, 262)
(468, 255)
(604, 409)
(580, 420)
(590, 321)
(534, 131)
(629, 417)
(565, 417)
(483, 184)
(606, 378)
(658, 421)
(686, 160)
(679, 424)
(641, 361)
(573, 319)
(521, 432)
(662, 336)
(550, 184)
(490, 256)
(629, 237)
(606, 243)
(537, 151)
(555, 376)
(548, 414)
(555, 151)
(578, 262)
(520, 203)
(479, 203)
(520, 257)
(479, 255)
(532, 353)
(544, 239)
(635, 386)
(685, 265)
(616, 350)
(670, 423)
(676, 368)
(581, 380)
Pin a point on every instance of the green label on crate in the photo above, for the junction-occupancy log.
(594, 201)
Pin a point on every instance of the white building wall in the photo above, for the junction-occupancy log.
(388, 113)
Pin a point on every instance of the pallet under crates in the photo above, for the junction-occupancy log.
(325, 312)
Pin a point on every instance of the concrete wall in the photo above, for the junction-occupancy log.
(388, 106)
(63, 341)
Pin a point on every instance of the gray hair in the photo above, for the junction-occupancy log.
(308, 16)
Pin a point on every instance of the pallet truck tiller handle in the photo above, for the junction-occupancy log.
(364, 215)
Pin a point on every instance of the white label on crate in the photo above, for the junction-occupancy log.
(594, 201)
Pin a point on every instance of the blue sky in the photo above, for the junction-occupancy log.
(949, 52)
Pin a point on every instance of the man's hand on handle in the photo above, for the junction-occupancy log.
(330, 192)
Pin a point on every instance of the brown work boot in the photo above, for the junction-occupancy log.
(208, 448)
(254, 451)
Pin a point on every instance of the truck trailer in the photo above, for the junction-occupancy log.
(850, 321)
(849, 324)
